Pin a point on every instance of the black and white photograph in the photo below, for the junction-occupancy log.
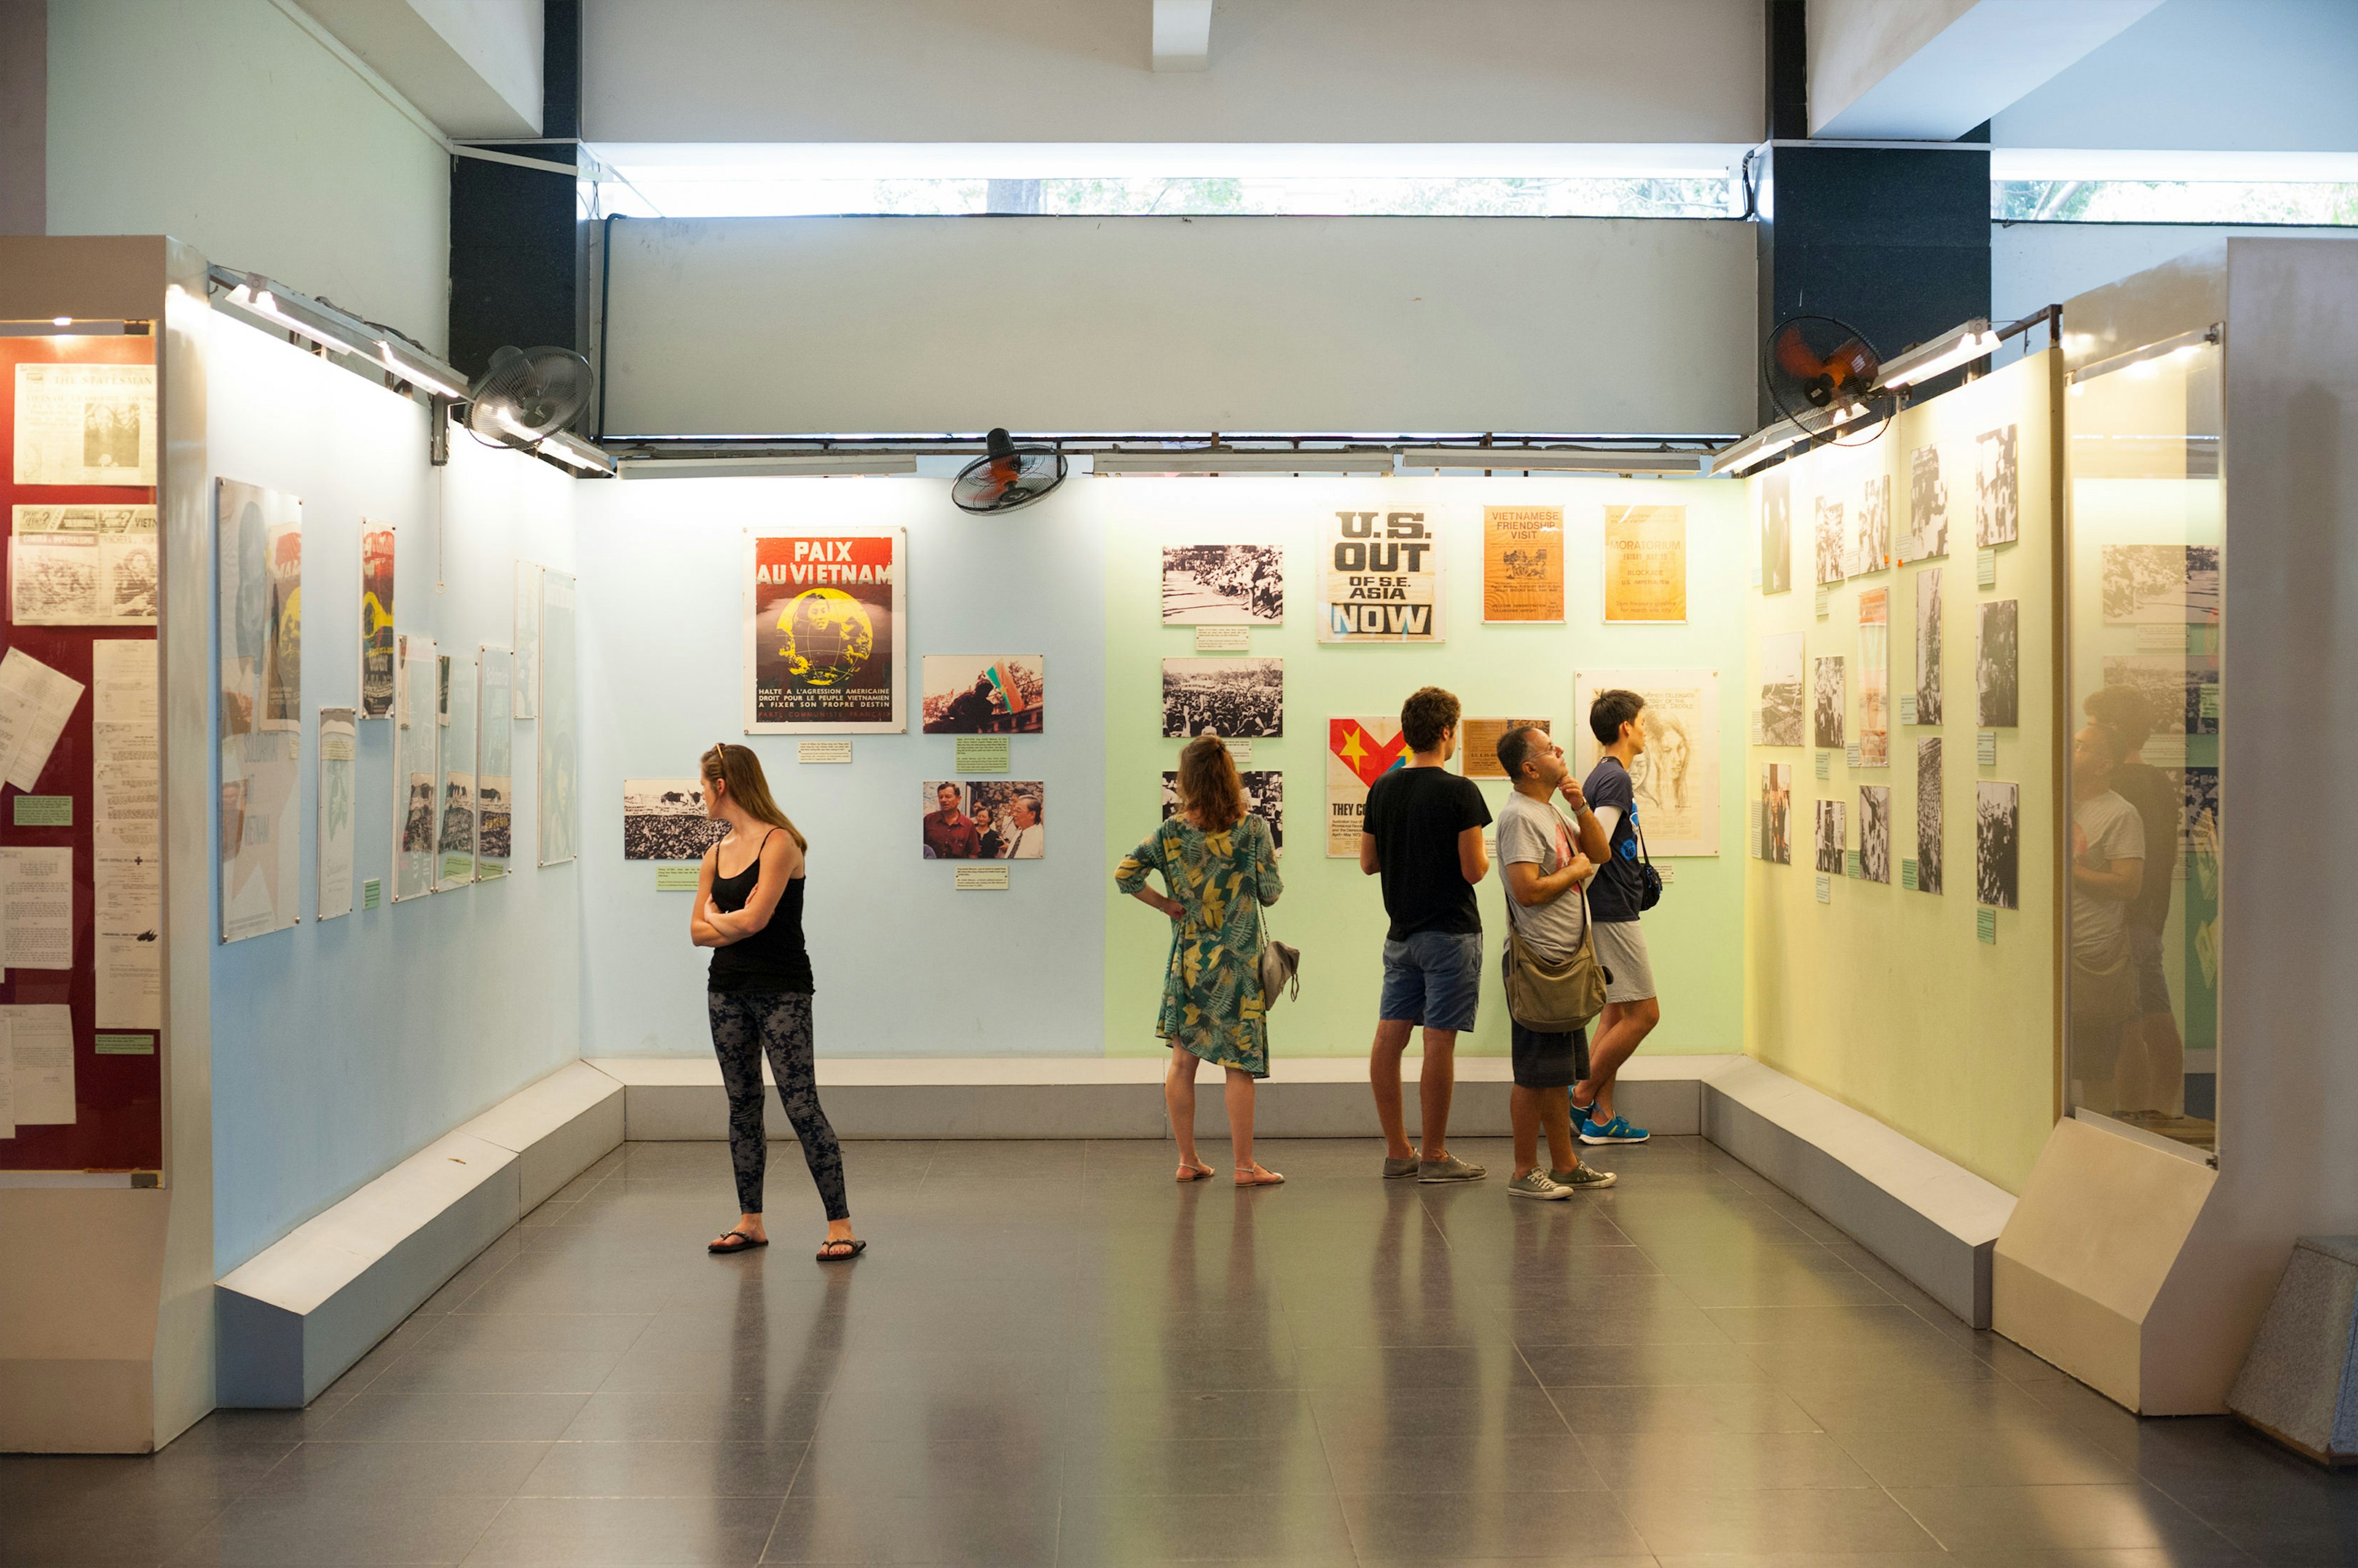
(2161, 585)
(1776, 808)
(1264, 797)
(1870, 539)
(1998, 847)
(1830, 838)
(1780, 690)
(1874, 833)
(1928, 818)
(1928, 506)
(2198, 828)
(1241, 698)
(2187, 685)
(1997, 666)
(1997, 488)
(417, 823)
(1829, 542)
(984, 694)
(1223, 585)
(663, 820)
(1928, 647)
(985, 819)
(1777, 533)
(1826, 725)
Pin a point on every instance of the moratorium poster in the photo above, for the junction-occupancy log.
(1359, 753)
(1379, 579)
(823, 649)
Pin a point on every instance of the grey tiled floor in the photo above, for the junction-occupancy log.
(1053, 1354)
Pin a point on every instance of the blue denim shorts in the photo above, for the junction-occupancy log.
(1434, 979)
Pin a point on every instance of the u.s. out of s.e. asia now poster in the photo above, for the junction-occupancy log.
(1381, 577)
(824, 644)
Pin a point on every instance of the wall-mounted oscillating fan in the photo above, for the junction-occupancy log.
(525, 395)
(1816, 362)
(1007, 478)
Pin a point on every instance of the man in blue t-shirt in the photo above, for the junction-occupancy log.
(1610, 837)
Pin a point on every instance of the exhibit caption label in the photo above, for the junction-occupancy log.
(1224, 639)
(676, 879)
(822, 751)
(984, 754)
(982, 879)
(45, 811)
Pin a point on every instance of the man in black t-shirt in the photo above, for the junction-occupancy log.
(1422, 836)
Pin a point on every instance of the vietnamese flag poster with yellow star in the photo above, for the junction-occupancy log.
(1359, 753)
(823, 649)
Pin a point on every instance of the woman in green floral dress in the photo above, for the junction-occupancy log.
(1219, 866)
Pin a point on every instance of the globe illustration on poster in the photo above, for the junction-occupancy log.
(828, 637)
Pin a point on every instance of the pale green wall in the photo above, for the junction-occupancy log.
(1330, 911)
(1882, 997)
(232, 126)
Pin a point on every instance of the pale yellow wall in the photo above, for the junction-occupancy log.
(1884, 997)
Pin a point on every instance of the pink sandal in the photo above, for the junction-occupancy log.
(1254, 1176)
(1195, 1172)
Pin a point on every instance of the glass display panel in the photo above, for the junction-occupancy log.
(454, 865)
(496, 765)
(417, 757)
(2146, 571)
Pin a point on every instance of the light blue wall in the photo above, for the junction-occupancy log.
(341, 1048)
(904, 965)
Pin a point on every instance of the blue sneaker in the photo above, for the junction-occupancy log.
(1616, 1130)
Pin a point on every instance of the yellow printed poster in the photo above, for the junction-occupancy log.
(1522, 563)
(1645, 563)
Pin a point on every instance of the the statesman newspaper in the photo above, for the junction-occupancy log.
(823, 633)
(1380, 577)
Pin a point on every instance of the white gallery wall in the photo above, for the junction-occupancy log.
(243, 128)
(768, 325)
(2033, 266)
(904, 966)
(1079, 70)
(341, 1047)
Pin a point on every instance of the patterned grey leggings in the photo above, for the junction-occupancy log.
(746, 1026)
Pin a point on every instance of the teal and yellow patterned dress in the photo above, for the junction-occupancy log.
(1211, 993)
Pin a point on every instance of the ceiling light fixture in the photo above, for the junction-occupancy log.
(1957, 346)
(777, 465)
(575, 453)
(1203, 461)
(1544, 460)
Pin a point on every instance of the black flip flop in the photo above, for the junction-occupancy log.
(744, 1243)
(826, 1257)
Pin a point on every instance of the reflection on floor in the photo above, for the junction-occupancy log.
(1053, 1354)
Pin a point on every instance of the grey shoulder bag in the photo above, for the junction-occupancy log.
(1554, 999)
(1280, 966)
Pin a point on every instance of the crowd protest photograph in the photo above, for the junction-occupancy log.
(1223, 585)
(1927, 814)
(1234, 698)
(663, 820)
(1874, 833)
(1827, 727)
(1780, 690)
(1997, 671)
(1998, 860)
(1928, 647)
(1264, 798)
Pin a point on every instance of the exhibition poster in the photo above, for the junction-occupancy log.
(823, 632)
(261, 572)
(376, 619)
(1776, 532)
(455, 810)
(83, 565)
(1359, 753)
(1478, 743)
(1522, 563)
(338, 755)
(1379, 579)
(417, 754)
(1676, 778)
(527, 640)
(85, 423)
(126, 833)
(495, 762)
(1223, 585)
(1645, 563)
(1875, 679)
(559, 726)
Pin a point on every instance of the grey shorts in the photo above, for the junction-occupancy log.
(1621, 949)
(2145, 962)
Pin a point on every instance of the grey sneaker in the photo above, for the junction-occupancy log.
(1449, 1169)
(1394, 1169)
(1583, 1179)
(1534, 1184)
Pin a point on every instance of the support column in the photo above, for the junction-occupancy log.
(515, 273)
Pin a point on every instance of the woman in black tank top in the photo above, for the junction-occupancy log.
(759, 993)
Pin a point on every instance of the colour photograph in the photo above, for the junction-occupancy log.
(985, 819)
(984, 694)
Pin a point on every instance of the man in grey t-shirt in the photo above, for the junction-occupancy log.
(1544, 872)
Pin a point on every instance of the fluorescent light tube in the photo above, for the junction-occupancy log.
(775, 465)
(417, 368)
(1959, 345)
(576, 454)
(1201, 461)
(1537, 459)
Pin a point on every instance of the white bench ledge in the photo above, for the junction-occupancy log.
(294, 1316)
(1930, 1218)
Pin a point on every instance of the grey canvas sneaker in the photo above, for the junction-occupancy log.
(1534, 1184)
(1394, 1169)
(1449, 1168)
(1583, 1179)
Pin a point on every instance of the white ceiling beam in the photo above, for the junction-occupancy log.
(1183, 34)
(473, 66)
(1932, 69)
